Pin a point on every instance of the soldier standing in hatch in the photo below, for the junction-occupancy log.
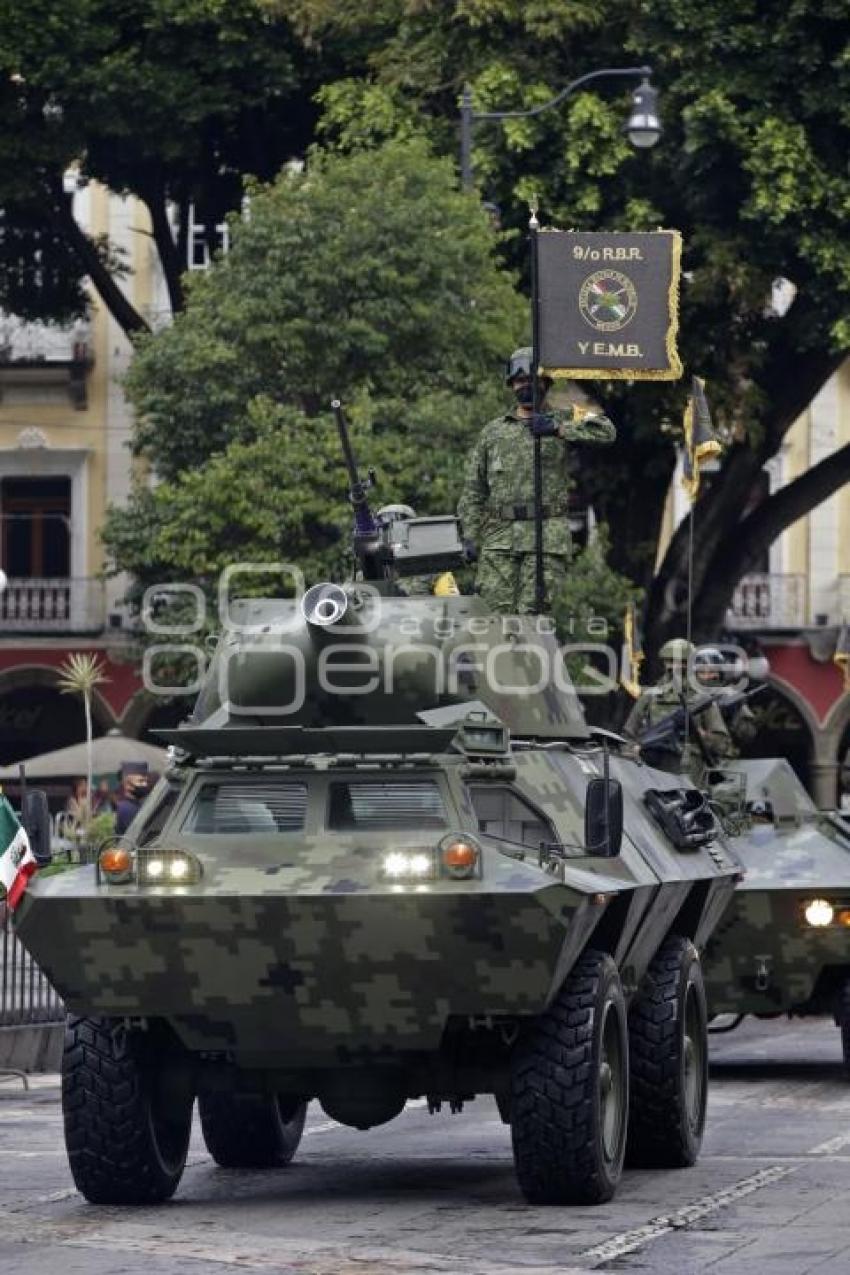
(707, 731)
(497, 503)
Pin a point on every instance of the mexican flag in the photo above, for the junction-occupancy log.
(17, 861)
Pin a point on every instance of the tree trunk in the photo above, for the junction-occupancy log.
(724, 546)
(62, 219)
(748, 540)
(169, 256)
(89, 765)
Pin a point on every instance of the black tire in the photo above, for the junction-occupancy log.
(668, 1051)
(842, 1018)
(251, 1130)
(126, 1133)
(570, 1091)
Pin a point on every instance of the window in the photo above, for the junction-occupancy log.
(36, 523)
(253, 807)
(502, 813)
(378, 805)
(159, 817)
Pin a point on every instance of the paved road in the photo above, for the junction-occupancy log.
(770, 1195)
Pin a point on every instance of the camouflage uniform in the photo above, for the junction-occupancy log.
(497, 503)
(659, 701)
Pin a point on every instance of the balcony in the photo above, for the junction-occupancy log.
(768, 602)
(43, 363)
(31, 605)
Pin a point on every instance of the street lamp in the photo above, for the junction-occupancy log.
(643, 126)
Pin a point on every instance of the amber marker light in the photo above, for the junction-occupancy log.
(116, 864)
(459, 857)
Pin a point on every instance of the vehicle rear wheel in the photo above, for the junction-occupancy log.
(251, 1130)
(668, 1052)
(127, 1123)
(570, 1091)
(842, 1018)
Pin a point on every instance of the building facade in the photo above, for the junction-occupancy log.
(65, 427)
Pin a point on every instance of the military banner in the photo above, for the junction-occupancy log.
(609, 304)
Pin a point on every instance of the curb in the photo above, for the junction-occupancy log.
(36, 1047)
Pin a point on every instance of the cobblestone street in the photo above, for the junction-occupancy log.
(438, 1194)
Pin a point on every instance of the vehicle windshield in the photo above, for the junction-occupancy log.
(381, 804)
(248, 807)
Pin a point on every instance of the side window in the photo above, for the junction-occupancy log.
(501, 812)
(158, 819)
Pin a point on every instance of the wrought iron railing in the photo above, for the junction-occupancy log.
(26, 996)
(35, 605)
(769, 601)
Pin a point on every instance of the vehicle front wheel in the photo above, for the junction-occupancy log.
(127, 1119)
(842, 1018)
(570, 1091)
(668, 1052)
(251, 1130)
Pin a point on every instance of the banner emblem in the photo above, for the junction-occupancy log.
(608, 300)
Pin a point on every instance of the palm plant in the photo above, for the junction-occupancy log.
(79, 675)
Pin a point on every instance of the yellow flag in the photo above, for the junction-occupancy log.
(841, 658)
(700, 441)
(634, 653)
(445, 586)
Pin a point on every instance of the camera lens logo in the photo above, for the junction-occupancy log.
(608, 300)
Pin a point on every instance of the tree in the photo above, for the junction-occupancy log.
(172, 101)
(80, 674)
(751, 168)
(369, 277)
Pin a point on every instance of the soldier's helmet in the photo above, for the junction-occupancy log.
(677, 651)
(519, 364)
(709, 665)
(395, 513)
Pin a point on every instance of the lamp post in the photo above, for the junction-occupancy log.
(643, 126)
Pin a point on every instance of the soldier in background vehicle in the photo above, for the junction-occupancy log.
(712, 672)
(497, 503)
(707, 739)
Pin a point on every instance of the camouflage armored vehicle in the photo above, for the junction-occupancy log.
(389, 860)
(783, 947)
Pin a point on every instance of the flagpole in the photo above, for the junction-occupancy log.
(537, 449)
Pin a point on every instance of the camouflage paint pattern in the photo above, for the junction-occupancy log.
(498, 481)
(764, 957)
(293, 949)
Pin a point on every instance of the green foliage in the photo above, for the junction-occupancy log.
(167, 99)
(751, 167)
(593, 601)
(370, 278)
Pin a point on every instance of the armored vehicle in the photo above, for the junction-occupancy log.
(783, 947)
(389, 860)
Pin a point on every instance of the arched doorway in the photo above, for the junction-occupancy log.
(782, 731)
(35, 717)
(843, 758)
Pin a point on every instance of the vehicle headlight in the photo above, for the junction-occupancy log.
(819, 912)
(169, 867)
(412, 865)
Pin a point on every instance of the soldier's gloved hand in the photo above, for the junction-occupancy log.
(543, 425)
(470, 553)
